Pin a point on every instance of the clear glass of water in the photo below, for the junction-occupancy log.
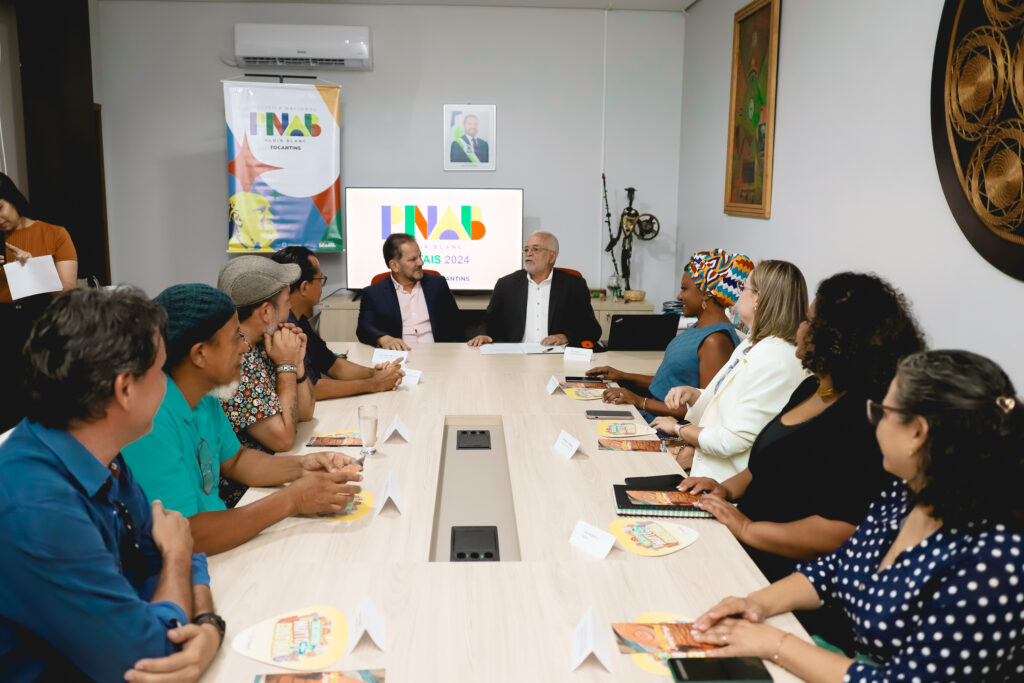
(368, 429)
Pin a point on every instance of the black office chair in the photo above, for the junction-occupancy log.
(642, 332)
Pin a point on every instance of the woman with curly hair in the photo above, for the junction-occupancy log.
(933, 579)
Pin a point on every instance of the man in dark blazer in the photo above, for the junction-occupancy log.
(539, 303)
(410, 307)
(469, 143)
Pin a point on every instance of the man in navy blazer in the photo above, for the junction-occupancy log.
(540, 303)
(469, 143)
(410, 307)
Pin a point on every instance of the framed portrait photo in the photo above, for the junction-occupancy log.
(469, 132)
(755, 50)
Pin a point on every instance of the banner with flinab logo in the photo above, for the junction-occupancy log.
(284, 166)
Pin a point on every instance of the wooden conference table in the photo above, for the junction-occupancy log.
(479, 621)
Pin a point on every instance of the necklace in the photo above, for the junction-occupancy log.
(825, 393)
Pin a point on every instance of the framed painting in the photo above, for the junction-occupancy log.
(755, 56)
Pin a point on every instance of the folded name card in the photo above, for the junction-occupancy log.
(567, 444)
(591, 540)
(578, 354)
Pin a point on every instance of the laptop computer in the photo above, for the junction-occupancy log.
(642, 332)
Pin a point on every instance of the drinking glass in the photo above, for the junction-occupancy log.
(368, 429)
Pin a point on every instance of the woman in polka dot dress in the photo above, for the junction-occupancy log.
(933, 578)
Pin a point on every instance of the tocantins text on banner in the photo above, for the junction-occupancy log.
(284, 166)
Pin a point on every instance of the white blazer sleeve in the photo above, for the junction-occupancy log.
(764, 385)
(707, 394)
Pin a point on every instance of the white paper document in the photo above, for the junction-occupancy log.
(390, 491)
(592, 540)
(525, 347)
(396, 427)
(37, 276)
(388, 355)
(411, 376)
(370, 621)
(552, 384)
(574, 353)
(588, 639)
(567, 444)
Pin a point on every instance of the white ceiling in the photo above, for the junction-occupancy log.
(650, 5)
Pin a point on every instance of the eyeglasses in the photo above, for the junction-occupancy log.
(132, 561)
(205, 459)
(322, 279)
(534, 250)
(876, 411)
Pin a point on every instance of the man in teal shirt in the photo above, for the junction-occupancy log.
(192, 442)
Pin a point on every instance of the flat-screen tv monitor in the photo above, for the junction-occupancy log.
(471, 236)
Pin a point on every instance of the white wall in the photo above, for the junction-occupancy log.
(855, 183)
(158, 79)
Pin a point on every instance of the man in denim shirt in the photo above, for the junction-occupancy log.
(96, 582)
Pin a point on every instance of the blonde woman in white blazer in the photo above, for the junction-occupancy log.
(756, 382)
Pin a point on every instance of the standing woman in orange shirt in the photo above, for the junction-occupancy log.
(21, 238)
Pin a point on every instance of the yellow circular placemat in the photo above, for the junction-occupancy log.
(651, 537)
(308, 639)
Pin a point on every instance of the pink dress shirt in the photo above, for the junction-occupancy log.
(415, 317)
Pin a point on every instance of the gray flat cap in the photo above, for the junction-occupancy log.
(252, 279)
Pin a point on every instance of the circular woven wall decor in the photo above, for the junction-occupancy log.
(978, 125)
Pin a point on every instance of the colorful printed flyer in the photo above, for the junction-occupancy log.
(584, 394)
(346, 437)
(646, 445)
(622, 429)
(654, 663)
(667, 639)
(662, 497)
(651, 538)
(308, 639)
(360, 676)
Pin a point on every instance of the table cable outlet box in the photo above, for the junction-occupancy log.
(475, 544)
(467, 439)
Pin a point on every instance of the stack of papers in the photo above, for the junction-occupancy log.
(524, 347)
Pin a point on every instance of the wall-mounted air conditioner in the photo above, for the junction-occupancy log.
(303, 47)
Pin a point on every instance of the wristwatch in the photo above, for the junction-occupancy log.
(214, 620)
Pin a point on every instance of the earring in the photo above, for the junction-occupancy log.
(703, 305)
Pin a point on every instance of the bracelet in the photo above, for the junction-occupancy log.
(303, 379)
(645, 405)
(778, 649)
(286, 367)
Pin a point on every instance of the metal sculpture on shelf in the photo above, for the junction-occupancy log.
(632, 224)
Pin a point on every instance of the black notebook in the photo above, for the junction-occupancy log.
(634, 502)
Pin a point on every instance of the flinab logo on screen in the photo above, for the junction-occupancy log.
(410, 220)
(304, 126)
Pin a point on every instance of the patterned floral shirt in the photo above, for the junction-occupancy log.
(256, 398)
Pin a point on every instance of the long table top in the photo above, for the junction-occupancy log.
(492, 621)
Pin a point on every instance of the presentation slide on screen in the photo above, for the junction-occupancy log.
(471, 236)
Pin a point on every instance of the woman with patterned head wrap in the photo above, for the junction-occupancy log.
(711, 282)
